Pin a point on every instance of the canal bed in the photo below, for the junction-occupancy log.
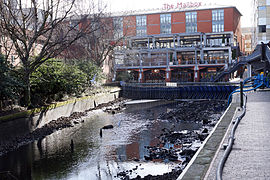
(120, 152)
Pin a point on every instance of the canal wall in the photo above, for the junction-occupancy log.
(199, 164)
(27, 121)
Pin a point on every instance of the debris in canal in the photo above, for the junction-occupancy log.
(54, 125)
(72, 145)
(180, 146)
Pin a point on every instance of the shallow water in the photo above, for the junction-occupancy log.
(94, 157)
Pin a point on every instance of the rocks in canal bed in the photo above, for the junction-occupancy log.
(108, 127)
(62, 122)
(180, 146)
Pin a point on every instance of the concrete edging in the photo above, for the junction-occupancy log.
(200, 162)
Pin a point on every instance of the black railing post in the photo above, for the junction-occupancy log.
(241, 93)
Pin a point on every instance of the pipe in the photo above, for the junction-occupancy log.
(235, 91)
(230, 143)
(232, 138)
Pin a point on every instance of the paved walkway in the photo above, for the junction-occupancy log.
(250, 156)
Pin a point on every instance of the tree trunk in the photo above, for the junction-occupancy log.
(27, 95)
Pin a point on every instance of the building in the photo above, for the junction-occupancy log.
(248, 39)
(190, 44)
(263, 20)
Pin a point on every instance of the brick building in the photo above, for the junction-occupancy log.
(178, 45)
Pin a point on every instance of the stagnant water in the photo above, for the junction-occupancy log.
(121, 148)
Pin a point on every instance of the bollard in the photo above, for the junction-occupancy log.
(241, 94)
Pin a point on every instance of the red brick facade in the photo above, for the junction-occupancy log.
(153, 24)
(204, 21)
(178, 22)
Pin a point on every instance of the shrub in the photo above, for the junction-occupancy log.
(10, 85)
(54, 78)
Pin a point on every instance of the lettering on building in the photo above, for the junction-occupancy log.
(181, 5)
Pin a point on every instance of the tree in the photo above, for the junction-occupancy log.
(98, 46)
(41, 32)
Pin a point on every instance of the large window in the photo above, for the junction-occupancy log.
(141, 27)
(118, 27)
(191, 21)
(218, 20)
(165, 23)
(262, 28)
(261, 8)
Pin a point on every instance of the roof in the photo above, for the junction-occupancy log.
(163, 11)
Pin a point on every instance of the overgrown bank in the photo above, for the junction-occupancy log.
(54, 80)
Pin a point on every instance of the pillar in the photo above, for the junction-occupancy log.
(249, 70)
(230, 56)
(178, 41)
(173, 41)
(154, 42)
(140, 80)
(168, 75)
(196, 62)
(196, 74)
(175, 57)
(201, 56)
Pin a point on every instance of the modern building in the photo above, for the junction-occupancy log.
(248, 39)
(263, 20)
(176, 45)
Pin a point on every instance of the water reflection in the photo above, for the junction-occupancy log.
(91, 157)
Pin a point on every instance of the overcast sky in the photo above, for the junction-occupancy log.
(244, 6)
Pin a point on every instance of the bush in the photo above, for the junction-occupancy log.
(53, 79)
(10, 85)
(89, 68)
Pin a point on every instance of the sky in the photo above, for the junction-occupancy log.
(244, 6)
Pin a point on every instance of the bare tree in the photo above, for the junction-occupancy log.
(41, 30)
(98, 46)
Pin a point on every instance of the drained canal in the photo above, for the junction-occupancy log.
(151, 138)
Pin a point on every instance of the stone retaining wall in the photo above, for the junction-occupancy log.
(27, 121)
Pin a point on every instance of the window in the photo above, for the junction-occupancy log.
(191, 22)
(74, 25)
(118, 27)
(262, 28)
(261, 8)
(218, 20)
(165, 23)
(141, 25)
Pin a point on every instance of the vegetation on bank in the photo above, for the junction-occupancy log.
(52, 81)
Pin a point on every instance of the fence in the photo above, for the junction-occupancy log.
(179, 91)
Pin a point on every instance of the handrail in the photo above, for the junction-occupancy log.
(232, 138)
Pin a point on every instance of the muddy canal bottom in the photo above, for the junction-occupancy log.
(147, 139)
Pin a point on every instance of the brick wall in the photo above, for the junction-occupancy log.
(153, 24)
(178, 22)
(204, 21)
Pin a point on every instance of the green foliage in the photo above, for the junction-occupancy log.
(10, 85)
(54, 78)
(90, 69)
